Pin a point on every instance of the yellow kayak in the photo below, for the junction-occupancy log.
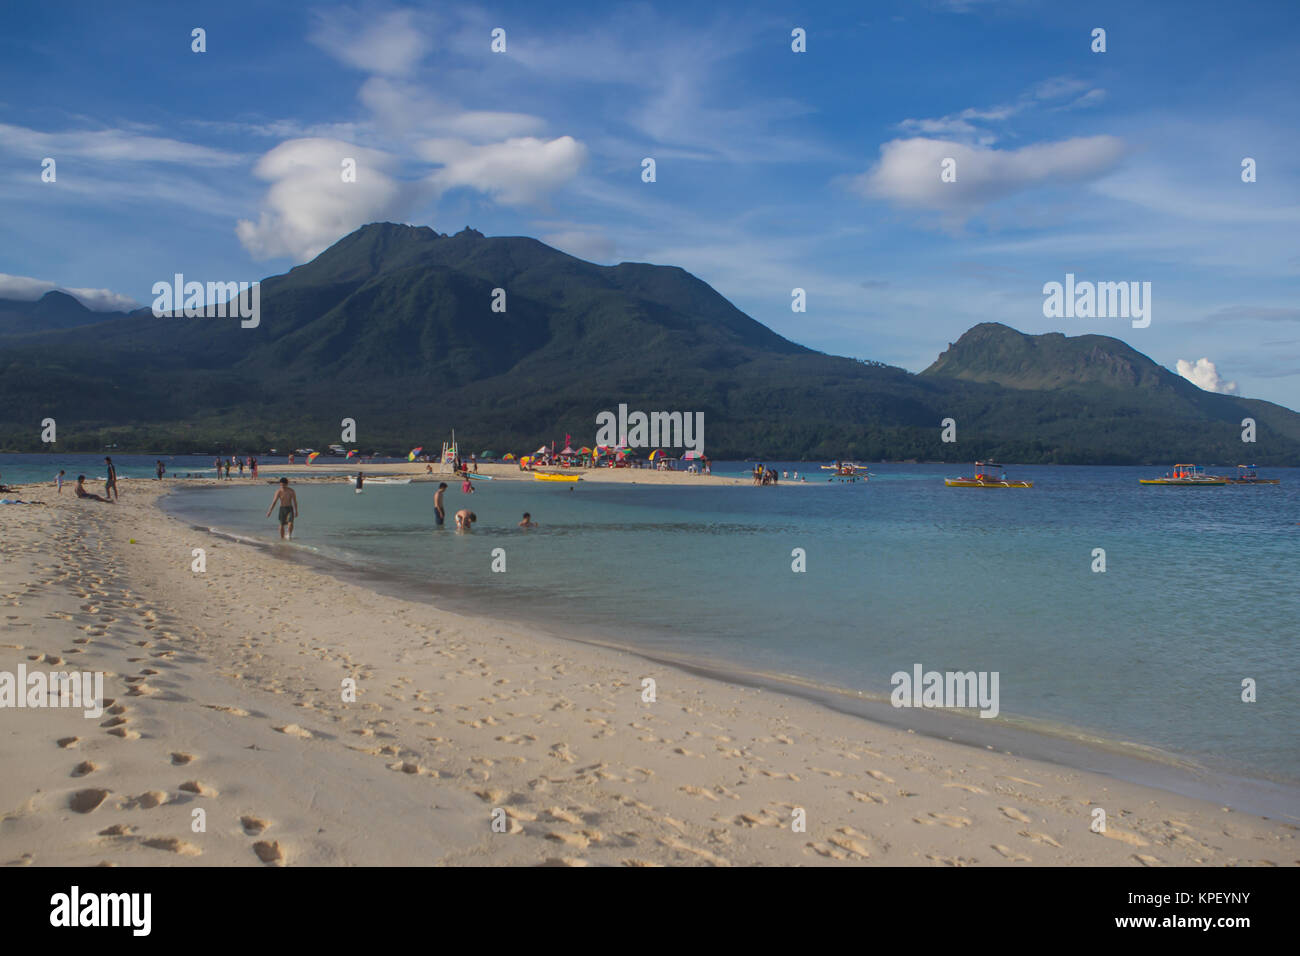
(543, 476)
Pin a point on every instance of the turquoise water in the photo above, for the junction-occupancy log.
(1199, 591)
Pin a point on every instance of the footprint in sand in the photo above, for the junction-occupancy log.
(172, 845)
(967, 787)
(236, 711)
(869, 797)
(944, 819)
(1146, 860)
(67, 742)
(883, 778)
(293, 730)
(83, 768)
(117, 829)
(1011, 854)
(1040, 838)
(84, 801)
(269, 853)
(1016, 815)
(179, 758)
(146, 801)
(699, 792)
(253, 825)
(125, 733)
(1123, 836)
(202, 789)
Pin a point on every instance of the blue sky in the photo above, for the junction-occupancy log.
(775, 169)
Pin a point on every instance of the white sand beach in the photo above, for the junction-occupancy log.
(226, 697)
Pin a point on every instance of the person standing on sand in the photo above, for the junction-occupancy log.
(241, 467)
(110, 479)
(465, 520)
(288, 500)
(58, 480)
(439, 512)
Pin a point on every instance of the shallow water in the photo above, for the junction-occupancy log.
(1198, 593)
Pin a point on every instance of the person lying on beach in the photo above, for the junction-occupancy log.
(83, 493)
(288, 500)
(465, 520)
(528, 521)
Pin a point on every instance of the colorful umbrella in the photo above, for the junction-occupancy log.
(508, 457)
(351, 453)
(312, 457)
(413, 452)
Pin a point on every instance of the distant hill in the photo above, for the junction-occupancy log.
(393, 326)
(54, 310)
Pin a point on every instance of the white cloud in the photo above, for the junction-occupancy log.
(410, 108)
(908, 172)
(1204, 375)
(111, 145)
(27, 289)
(391, 43)
(309, 206)
(517, 171)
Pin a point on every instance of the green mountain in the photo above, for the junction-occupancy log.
(394, 327)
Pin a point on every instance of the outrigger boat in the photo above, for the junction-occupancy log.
(847, 469)
(547, 476)
(1186, 476)
(1246, 475)
(987, 475)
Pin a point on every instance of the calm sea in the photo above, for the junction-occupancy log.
(1198, 595)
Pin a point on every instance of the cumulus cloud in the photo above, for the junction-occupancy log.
(27, 289)
(309, 206)
(391, 43)
(1204, 375)
(516, 171)
(908, 172)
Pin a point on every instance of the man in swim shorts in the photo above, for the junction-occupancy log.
(439, 513)
(288, 500)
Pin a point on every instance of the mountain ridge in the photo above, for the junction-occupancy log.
(393, 326)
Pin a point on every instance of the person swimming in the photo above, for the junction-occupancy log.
(528, 521)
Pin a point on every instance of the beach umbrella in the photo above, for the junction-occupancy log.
(585, 450)
(568, 451)
(540, 451)
(508, 457)
(692, 455)
(351, 453)
(410, 456)
(312, 457)
(656, 454)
